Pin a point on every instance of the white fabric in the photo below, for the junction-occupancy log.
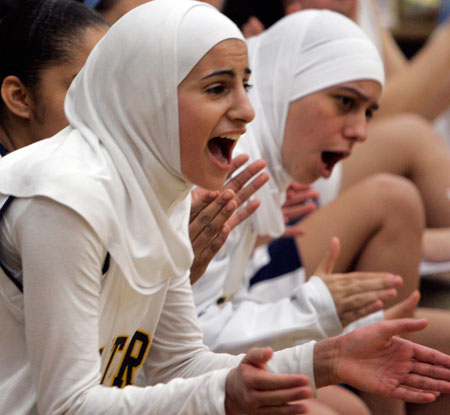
(306, 45)
(324, 49)
(124, 157)
(96, 312)
(96, 188)
(329, 188)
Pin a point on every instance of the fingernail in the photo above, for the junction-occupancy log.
(227, 196)
(231, 206)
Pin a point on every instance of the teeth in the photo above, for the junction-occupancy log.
(233, 137)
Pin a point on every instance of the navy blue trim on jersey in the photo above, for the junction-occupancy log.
(284, 258)
(13, 279)
(3, 151)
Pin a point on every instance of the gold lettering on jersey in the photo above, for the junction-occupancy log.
(132, 355)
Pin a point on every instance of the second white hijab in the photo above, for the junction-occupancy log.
(301, 54)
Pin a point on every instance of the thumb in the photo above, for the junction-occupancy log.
(405, 325)
(327, 263)
(404, 308)
(258, 357)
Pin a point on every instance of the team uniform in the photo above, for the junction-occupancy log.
(96, 310)
(232, 316)
(117, 336)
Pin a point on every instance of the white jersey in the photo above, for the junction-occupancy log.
(79, 342)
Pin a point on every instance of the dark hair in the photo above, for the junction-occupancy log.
(36, 34)
(100, 5)
(6, 5)
(268, 12)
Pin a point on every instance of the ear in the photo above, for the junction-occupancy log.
(292, 7)
(16, 96)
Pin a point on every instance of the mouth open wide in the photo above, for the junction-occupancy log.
(330, 158)
(221, 149)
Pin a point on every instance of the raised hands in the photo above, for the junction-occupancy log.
(300, 201)
(356, 294)
(374, 359)
(251, 390)
(213, 213)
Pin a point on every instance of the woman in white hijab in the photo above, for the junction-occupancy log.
(312, 61)
(95, 250)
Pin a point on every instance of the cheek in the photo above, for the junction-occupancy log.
(56, 119)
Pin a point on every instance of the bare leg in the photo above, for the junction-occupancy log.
(379, 223)
(343, 401)
(436, 244)
(408, 146)
(336, 400)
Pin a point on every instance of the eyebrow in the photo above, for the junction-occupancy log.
(361, 96)
(228, 72)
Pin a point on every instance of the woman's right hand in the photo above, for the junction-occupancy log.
(250, 389)
(213, 214)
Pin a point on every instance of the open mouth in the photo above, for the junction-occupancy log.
(330, 158)
(221, 148)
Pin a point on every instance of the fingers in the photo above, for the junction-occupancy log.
(211, 218)
(410, 395)
(243, 214)
(391, 328)
(282, 396)
(203, 258)
(294, 197)
(258, 356)
(237, 182)
(427, 355)
(352, 315)
(293, 231)
(368, 281)
(327, 264)
(427, 383)
(404, 308)
(296, 211)
(246, 192)
(237, 162)
(200, 199)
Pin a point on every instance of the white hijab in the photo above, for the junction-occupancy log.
(303, 53)
(118, 163)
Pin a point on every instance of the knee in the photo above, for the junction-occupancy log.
(398, 197)
(412, 127)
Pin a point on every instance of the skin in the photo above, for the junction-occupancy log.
(219, 84)
(39, 113)
(343, 111)
(48, 106)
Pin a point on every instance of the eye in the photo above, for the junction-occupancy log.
(216, 90)
(345, 101)
(369, 114)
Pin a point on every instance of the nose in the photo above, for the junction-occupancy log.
(241, 108)
(356, 127)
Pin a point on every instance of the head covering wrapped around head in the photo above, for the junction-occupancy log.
(303, 53)
(118, 163)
